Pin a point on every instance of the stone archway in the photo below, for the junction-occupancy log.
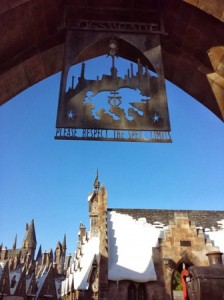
(193, 50)
(176, 281)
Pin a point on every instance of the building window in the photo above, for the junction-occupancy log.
(185, 243)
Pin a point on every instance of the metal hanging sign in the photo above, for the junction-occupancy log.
(102, 109)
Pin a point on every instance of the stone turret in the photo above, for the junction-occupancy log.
(49, 259)
(102, 223)
(20, 273)
(64, 246)
(30, 242)
(82, 233)
(93, 208)
(96, 182)
(98, 222)
(60, 254)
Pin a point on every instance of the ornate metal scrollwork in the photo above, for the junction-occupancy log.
(117, 117)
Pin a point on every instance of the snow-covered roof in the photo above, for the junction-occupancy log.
(201, 218)
(28, 281)
(77, 275)
(221, 224)
(58, 282)
(130, 244)
(14, 279)
(2, 264)
(40, 279)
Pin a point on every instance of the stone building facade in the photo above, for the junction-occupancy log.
(164, 242)
(127, 254)
(24, 276)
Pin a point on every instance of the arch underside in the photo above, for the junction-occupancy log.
(193, 49)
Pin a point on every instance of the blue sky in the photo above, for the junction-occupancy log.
(49, 180)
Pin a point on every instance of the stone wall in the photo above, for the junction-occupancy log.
(182, 246)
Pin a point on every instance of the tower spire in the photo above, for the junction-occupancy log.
(64, 243)
(30, 240)
(15, 242)
(82, 75)
(96, 182)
